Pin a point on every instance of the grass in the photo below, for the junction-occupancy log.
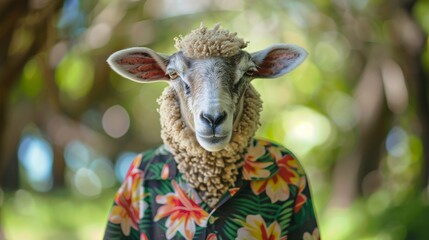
(57, 215)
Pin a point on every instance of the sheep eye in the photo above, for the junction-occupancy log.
(173, 75)
(251, 71)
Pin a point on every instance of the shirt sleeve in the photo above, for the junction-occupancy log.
(304, 223)
(125, 214)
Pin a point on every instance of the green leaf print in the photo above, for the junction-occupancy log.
(285, 213)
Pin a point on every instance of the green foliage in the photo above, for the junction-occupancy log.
(75, 75)
(31, 82)
(420, 12)
(58, 215)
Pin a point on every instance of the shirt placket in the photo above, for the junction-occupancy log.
(224, 199)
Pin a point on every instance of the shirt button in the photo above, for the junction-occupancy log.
(213, 219)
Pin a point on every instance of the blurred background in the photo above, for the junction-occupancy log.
(356, 112)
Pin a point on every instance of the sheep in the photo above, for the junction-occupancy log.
(210, 112)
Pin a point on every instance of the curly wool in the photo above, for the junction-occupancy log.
(203, 43)
(210, 173)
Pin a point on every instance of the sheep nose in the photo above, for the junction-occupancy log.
(213, 120)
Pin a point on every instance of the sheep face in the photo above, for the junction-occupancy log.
(209, 89)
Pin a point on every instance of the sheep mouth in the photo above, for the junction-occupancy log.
(214, 142)
(216, 138)
(214, 135)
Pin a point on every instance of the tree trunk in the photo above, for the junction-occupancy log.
(402, 48)
(419, 77)
(13, 17)
(11, 13)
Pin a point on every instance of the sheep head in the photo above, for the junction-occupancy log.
(210, 74)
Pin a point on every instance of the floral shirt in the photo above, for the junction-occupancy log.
(270, 200)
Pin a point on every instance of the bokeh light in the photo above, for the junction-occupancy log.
(306, 129)
(99, 35)
(35, 155)
(343, 110)
(77, 155)
(24, 202)
(104, 170)
(90, 172)
(87, 183)
(31, 81)
(123, 163)
(397, 142)
(75, 76)
(116, 121)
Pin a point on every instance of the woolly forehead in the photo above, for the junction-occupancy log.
(204, 43)
(230, 67)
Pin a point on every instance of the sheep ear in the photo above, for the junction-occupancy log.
(278, 60)
(139, 64)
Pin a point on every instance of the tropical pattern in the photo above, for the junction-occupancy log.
(269, 201)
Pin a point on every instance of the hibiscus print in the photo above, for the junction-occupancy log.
(143, 236)
(165, 171)
(253, 168)
(130, 204)
(255, 228)
(277, 187)
(183, 214)
(119, 215)
(301, 199)
(274, 179)
(233, 191)
(211, 236)
(312, 236)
